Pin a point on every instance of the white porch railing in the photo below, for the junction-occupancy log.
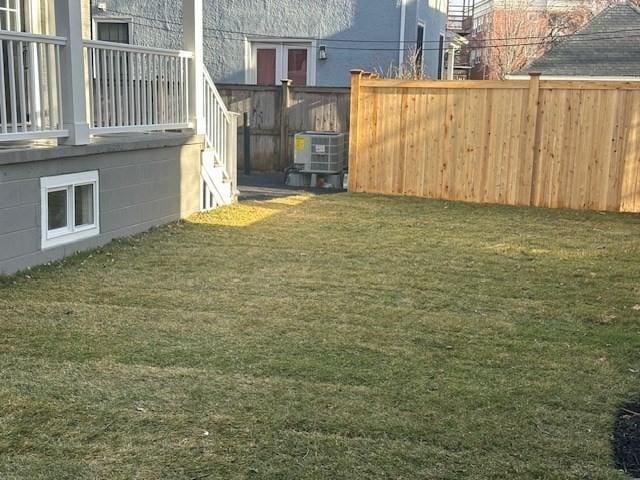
(221, 129)
(30, 86)
(132, 88)
(104, 87)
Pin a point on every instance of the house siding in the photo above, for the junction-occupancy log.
(139, 188)
(433, 15)
(377, 22)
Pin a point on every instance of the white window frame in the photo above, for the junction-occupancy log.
(282, 47)
(13, 16)
(112, 19)
(71, 233)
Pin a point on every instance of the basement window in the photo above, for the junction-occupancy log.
(113, 29)
(69, 206)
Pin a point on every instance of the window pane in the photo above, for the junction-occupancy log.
(297, 65)
(84, 205)
(419, 47)
(113, 32)
(57, 209)
(440, 56)
(9, 18)
(266, 66)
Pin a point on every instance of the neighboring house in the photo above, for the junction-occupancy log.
(508, 34)
(79, 161)
(485, 7)
(607, 48)
(311, 42)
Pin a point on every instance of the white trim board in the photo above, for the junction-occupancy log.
(403, 27)
(281, 45)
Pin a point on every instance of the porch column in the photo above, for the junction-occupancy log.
(194, 42)
(74, 95)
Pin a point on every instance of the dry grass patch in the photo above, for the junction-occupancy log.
(345, 336)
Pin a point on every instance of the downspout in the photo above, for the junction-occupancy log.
(403, 18)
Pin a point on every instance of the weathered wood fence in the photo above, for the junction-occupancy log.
(560, 144)
(278, 113)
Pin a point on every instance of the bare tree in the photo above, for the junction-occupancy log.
(516, 32)
(410, 69)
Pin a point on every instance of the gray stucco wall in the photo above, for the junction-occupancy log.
(334, 23)
(433, 14)
(142, 184)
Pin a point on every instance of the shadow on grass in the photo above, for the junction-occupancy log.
(238, 215)
(375, 331)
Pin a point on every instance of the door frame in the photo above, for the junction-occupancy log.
(281, 46)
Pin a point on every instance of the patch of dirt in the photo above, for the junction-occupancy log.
(626, 439)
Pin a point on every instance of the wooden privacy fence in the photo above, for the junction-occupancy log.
(278, 113)
(559, 144)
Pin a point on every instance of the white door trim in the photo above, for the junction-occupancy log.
(281, 46)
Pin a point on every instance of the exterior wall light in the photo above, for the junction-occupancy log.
(322, 52)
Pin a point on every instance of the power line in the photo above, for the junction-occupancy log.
(544, 38)
(385, 49)
(490, 39)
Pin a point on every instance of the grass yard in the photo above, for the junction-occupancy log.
(338, 337)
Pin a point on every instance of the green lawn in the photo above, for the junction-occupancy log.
(341, 336)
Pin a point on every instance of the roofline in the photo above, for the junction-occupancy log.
(600, 13)
(633, 6)
(627, 3)
(576, 77)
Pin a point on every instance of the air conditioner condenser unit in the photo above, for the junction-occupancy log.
(320, 152)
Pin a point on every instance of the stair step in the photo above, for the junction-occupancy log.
(214, 178)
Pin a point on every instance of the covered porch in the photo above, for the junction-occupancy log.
(58, 84)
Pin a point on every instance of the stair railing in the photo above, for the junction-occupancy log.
(221, 130)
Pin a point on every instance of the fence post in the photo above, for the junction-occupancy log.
(284, 123)
(232, 151)
(72, 79)
(533, 138)
(246, 137)
(356, 77)
(193, 41)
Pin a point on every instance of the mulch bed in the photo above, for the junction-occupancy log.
(626, 439)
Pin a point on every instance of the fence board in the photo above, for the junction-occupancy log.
(309, 108)
(630, 190)
(558, 144)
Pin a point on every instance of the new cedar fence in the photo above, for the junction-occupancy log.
(559, 144)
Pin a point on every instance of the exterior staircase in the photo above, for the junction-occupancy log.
(219, 158)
